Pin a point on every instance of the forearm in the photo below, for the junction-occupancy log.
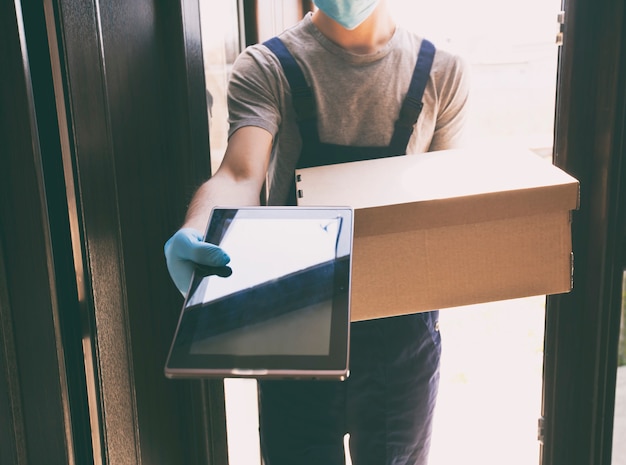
(239, 179)
(220, 191)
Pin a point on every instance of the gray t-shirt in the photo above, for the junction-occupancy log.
(358, 97)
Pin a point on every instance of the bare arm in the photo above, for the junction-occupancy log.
(239, 179)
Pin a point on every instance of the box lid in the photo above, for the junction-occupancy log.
(440, 188)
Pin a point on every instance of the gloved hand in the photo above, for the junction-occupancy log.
(186, 249)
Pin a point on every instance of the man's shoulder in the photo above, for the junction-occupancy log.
(413, 41)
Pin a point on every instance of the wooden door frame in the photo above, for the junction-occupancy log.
(582, 327)
(105, 126)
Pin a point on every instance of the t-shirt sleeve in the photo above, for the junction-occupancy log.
(255, 88)
(453, 89)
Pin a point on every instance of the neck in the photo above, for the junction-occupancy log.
(370, 36)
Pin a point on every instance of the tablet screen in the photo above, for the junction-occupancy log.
(281, 306)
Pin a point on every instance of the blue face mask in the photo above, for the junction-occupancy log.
(348, 13)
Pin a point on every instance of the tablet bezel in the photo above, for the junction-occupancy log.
(183, 364)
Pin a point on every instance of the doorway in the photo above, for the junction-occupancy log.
(163, 430)
(514, 74)
(492, 361)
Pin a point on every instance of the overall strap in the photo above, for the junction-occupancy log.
(301, 94)
(412, 105)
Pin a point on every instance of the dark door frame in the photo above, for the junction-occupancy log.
(43, 413)
(582, 327)
(104, 138)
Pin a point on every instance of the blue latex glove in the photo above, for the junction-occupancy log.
(186, 249)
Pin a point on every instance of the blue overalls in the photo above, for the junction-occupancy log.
(387, 402)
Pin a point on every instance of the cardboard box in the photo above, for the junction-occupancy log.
(450, 228)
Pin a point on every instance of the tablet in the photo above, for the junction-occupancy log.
(280, 308)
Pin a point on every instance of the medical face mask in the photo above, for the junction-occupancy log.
(348, 13)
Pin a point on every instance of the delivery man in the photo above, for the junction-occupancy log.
(344, 84)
